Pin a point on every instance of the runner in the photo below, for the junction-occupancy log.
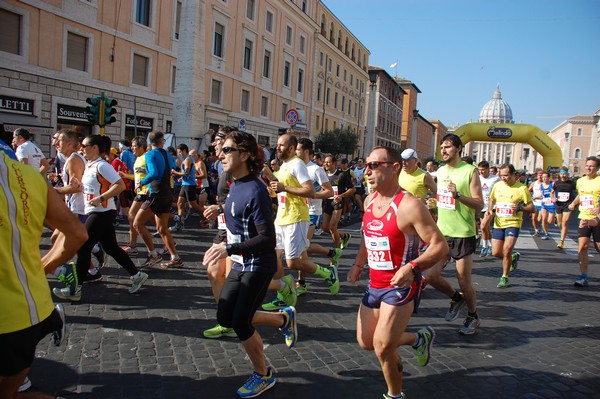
(28, 153)
(187, 193)
(565, 192)
(548, 204)
(393, 225)
(536, 193)
(487, 181)
(333, 206)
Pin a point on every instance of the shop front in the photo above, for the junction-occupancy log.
(137, 126)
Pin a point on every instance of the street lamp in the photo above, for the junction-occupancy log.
(567, 150)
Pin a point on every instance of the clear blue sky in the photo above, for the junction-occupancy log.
(544, 54)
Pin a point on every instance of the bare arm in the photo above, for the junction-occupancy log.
(326, 192)
(430, 183)
(75, 169)
(44, 166)
(307, 189)
(72, 233)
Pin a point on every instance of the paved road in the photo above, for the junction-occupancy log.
(538, 339)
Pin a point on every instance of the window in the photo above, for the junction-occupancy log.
(319, 87)
(215, 92)
(10, 32)
(267, 64)
(245, 103)
(248, 54)
(218, 41)
(577, 153)
(318, 123)
(302, 44)
(284, 110)
(321, 56)
(177, 19)
(76, 51)
(250, 9)
(329, 64)
(289, 35)
(269, 22)
(142, 12)
(140, 70)
(286, 74)
(345, 74)
(335, 100)
(300, 80)
(327, 96)
(303, 6)
(337, 70)
(579, 131)
(173, 78)
(343, 103)
(264, 106)
(349, 106)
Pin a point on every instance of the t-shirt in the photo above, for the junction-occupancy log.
(292, 208)
(505, 196)
(589, 193)
(565, 192)
(414, 183)
(486, 188)
(32, 153)
(318, 177)
(139, 173)
(24, 293)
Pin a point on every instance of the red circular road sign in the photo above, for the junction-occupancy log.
(291, 117)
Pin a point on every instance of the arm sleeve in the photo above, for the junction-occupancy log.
(264, 241)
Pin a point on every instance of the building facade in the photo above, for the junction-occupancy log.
(385, 99)
(55, 54)
(578, 139)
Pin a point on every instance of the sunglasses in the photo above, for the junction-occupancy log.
(376, 164)
(85, 145)
(227, 150)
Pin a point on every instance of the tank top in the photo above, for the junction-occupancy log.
(190, 179)
(537, 192)
(455, 219)
(74, 200)
(546, 191)
(414, 183)
(388, 248)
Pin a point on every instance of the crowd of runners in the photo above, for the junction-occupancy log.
(266, 205)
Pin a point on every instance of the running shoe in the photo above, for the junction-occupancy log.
(318, 232)
(490, 251)
(137, 281)
(257, 384)
(503, 282)
(514, 261)
(65, 293)
(469, 326)
(92, 276)
(483, 253)
(560, 244)
(218, 331)
(402, 396)
(151, 261)
(546, 236)
(69, 276)
(582, 282)
(25, 386)
(301, 289)
(333, 281)
(289, 292)
(58, 336)
(290, 330)
(455, 307)
(345, 240)
(336, 257)
(427, 335)
(535, 233)
(276, 304)
(172, 264)
(131, 251)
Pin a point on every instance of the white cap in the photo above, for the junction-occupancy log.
(409, 154)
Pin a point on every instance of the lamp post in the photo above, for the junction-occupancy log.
(595, 133)
(370, 134)
(567, 156)
(413, 139)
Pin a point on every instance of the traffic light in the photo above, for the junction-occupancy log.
(93, 110)
(109, 111)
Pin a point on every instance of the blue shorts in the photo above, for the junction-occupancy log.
(538, 207)
(393, 296)
(315, 220)
(549, 208)
(499, 234)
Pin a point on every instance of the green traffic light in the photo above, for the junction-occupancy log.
(109, 111)
(93, 109)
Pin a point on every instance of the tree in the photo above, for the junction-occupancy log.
(336, 142)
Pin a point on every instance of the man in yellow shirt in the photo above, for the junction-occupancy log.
(28, 314)
(588, 194)
(509, 198)
(414, 179)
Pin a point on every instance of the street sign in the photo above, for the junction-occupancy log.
(291, 117)
(242, 125)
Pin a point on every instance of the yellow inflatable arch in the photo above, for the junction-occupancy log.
(514, 133)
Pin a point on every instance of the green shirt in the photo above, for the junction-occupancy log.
(455, 219)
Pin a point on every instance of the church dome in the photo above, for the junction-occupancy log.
(496, 110)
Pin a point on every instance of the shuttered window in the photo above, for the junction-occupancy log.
(140, 70)
(10, 32)
(76, 51)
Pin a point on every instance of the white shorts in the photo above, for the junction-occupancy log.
(292, 239)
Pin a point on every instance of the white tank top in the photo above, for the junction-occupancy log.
(75, 200)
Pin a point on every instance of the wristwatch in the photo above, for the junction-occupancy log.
(456, 195)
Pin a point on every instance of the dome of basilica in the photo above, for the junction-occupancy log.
(496, 110)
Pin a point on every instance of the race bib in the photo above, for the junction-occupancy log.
(486, 199)
(335, 191)
(88, 192)
(537, 202)
(235, 239)
(564, 197)
(221, 222)
(379, 254)
(504, 210)
(586, 202)
(445, 199)
(281, 197)
(547, 201)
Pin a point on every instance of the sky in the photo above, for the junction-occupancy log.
(543, 54)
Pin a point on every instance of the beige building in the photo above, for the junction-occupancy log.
(384, 111)
(578, 139)
(56, 53)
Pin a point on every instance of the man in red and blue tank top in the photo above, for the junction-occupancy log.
(394, 224)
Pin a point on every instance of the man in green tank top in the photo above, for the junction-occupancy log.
(458, 199)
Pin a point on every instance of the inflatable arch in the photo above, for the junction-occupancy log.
(515, 133)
